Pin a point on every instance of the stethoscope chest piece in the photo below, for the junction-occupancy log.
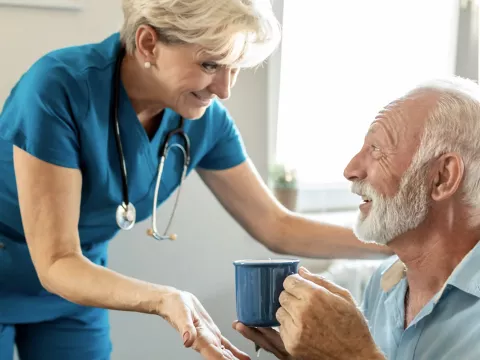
(126, 216)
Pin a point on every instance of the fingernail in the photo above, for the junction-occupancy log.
(186, 337)
(304, 270)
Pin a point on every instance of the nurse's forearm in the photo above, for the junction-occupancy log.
(80, 281)
(297, 235)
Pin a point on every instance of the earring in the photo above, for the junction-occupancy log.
(147, 65)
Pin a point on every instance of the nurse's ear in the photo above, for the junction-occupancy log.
(146, 39)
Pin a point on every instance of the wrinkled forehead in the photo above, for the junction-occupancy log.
(405, 117)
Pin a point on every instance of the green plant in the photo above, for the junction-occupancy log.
(282, 177)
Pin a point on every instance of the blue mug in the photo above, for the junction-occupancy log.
(258, 284)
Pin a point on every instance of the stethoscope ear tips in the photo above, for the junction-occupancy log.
(172, 237)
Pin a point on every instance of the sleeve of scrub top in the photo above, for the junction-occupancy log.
(40, 114)
(227, 149)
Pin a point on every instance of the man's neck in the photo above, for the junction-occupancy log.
(430, 261)
(430, 253)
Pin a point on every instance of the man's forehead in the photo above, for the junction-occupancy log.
(385, 117)
(395, 110)
(373, 127)
(403, 112)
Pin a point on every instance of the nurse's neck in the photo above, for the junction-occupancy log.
(140, 86)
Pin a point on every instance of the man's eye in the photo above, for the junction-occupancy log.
(375, 148)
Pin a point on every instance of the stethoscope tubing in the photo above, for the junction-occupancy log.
(126, 213)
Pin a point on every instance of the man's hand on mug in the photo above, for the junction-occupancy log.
(320, 320)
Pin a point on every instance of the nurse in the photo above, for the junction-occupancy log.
(80, 134)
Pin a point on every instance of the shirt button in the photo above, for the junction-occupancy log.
(2, 246)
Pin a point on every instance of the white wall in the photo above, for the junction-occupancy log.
(201, 260)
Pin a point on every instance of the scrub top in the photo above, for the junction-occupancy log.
(59, 111)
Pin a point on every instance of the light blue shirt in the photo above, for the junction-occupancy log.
(448, 326)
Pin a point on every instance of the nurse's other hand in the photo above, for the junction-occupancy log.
(197, 329)
(267, 339)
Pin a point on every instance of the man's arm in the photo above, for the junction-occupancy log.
(242, 192)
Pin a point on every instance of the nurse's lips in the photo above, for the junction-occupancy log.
(205, 101)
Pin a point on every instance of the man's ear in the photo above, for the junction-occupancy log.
(448, 172)
(146, 39)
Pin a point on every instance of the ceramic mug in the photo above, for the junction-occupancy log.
(258, 284)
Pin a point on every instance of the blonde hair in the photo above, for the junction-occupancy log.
(240, 33)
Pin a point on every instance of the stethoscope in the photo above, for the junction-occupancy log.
(126, 213)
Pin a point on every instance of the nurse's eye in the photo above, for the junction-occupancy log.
(210, 66)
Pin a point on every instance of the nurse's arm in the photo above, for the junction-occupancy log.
(244, 194)
(49, 198)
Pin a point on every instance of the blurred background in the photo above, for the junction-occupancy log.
(302, 115)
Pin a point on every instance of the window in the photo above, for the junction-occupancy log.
(341, 62)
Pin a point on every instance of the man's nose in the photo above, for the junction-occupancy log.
(221, 84)
(355, 170)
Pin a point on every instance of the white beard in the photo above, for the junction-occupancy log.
(389, 218)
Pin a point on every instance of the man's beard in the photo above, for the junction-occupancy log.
(390, 217)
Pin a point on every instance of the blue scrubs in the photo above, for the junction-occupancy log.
(59, 112)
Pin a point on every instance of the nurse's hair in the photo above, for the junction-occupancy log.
(240, 33)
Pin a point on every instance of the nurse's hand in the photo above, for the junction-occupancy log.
(186, 314)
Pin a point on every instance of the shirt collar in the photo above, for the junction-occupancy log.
(466, 276)
(392, 275)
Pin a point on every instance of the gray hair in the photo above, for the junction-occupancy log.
(242, 33)
(454, 126)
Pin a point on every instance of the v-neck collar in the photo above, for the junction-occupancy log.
(132, 127)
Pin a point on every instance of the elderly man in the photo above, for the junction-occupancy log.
(418, 173)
